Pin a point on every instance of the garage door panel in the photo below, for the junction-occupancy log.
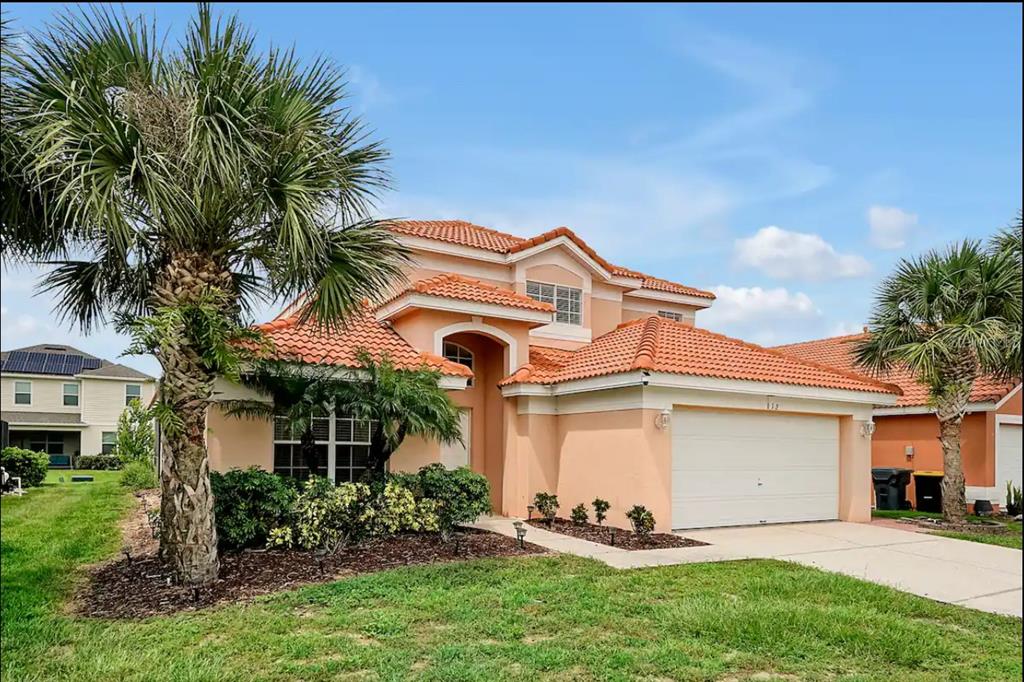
(739, 468)
(1008, 455)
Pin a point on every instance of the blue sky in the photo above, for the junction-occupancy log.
(783, 156)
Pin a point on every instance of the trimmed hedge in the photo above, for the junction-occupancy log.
(248, 503)
(30, 466)
(99, 462)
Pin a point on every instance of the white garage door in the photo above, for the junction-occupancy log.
(740, 468)
(1008, 457)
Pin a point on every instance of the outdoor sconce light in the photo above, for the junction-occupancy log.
(529, 512)
(663, 419)
(867, 429)
(909, 452)
(520, 532)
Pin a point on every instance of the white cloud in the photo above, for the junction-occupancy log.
(844, 328)
(796, 255)
(890, 226)
(763, 316)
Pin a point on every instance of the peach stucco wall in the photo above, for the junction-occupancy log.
(894, 433)
(1012, 405)
(855, 484)
(418, 329)
(414, 453)
(238, 443)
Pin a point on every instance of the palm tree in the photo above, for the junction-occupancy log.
(949, 317)
(399, 403)
(299, 393)
(176, 186)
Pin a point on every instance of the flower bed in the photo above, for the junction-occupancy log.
(625, 539)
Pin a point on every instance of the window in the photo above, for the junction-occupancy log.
(669, 315)
(22, 392)
(342, 444)
(70, 395)
(109, 440)
(568, 301)
(456, 353)
(132, 392)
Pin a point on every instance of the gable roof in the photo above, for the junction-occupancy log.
(657, 344)
(837, 352)
(451, 285)
(54, 359)
(465, 233)
(307, 343)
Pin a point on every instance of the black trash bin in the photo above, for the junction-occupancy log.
(891, 487)
(928, 491)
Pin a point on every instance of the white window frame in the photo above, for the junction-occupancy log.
(335, 448)
(104, 443)
(549, 292)
(458, 353)
(17, 392)
(128, 398)
(671, 315)
(77, 395)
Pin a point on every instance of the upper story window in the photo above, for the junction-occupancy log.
(132, 392)
(22, 392)
(568, 301)
(669, 315)
(459, 354)
(70, 395)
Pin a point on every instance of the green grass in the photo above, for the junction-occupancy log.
(558, 618)
(1011, 539)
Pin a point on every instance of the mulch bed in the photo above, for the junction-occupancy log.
(992, 527)
(624, 539)
(140, 586)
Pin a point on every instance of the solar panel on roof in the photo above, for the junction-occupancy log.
(61, 364)
(91, 363)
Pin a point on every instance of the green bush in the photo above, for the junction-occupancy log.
(99, 462)
(28, 465)
(138, 475)
(601, 508)
(136, 438)
(247, 504)
(642, 520)
(547, 505)
(579, 514)
(460, 495)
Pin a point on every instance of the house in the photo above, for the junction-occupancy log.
(61, 401)
(907, 433)
(586, 379)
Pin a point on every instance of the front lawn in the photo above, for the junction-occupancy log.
(520, 618)
(1011, 537)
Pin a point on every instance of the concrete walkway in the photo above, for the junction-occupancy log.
(984, 577)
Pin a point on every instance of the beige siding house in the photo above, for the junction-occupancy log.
(61, 401)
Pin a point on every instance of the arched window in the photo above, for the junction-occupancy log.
(459, 354)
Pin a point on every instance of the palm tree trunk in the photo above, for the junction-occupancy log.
(950, 408)
(188, 540)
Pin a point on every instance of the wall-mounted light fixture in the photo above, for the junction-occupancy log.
(867, 429)
(663, 419)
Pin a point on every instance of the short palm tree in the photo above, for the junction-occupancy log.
(399, 403)
(173, 187)
(949, 317)
(297, 393)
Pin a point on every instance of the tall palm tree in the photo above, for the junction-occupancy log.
(399, 403)
(177, 185)
(949, 317)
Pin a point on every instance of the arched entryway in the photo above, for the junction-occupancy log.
(482, 400)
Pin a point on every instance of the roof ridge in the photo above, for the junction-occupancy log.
(647, 349)
(467, 223)
(809, 363)
(425, 286)
(821, 340)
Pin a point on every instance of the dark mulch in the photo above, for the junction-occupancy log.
(626, 539)
(141, 587)
(987, 527)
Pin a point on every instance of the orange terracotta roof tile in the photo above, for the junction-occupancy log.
(467, 234)
(451, 285)
(660, 345)
(306, 343)
(838, 352)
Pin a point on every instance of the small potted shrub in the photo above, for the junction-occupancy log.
(547, 506)
(1013, 500)
(601, 508)
(642, 520)
(579, 514)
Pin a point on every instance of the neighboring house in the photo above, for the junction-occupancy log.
(61, 401)
(587, 379)
(907, 433)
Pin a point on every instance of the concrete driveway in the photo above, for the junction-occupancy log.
(971, 574)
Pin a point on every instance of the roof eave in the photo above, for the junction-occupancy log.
(411, 301)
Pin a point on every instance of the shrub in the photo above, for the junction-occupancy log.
(247, 504)
(459, 495)
(99, 462)
(30, 466)
(547, 505)
(601, 508)
(136, 439)
(138, 475)
(579, 514)
(642, 520)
